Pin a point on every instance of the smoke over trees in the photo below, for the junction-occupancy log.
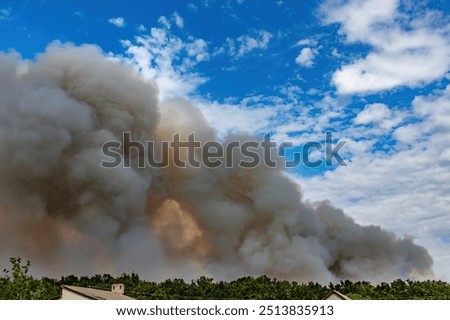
(65, 212)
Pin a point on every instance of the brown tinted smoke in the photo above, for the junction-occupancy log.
(67, 214)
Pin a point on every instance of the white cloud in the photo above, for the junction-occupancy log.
(375, 112)
(118, 22)
(358, 18)
(228, 118)
(306, 57)
(254, 115)
(179, 21)
(174, 18)
(246, 43)
(407, 134)
(198, 49)
(307, 42)
(405, 53)
(169, 60)
(379, 115)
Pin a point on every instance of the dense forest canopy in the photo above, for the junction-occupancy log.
(16, 283)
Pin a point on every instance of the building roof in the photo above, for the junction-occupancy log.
(96, 294)
(335, 295)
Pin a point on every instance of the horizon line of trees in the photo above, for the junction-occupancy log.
(17, 284)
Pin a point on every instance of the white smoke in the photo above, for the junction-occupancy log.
(67, 214)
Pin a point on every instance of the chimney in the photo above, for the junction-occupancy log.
(118, 288)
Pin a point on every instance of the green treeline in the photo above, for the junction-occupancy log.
(16, 283)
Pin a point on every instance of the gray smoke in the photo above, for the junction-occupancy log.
(67, 214)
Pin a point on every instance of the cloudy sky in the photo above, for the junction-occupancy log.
(374, 73)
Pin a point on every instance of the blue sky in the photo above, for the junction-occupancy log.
(374, 73)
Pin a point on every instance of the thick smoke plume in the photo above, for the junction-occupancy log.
(67, 214)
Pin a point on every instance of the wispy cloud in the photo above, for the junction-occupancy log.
(307, 42)
(246, 43)
(380, 115)
(174, 18)
(118, 22)
(169, 60)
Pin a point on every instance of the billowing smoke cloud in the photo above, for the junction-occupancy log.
(67, 214)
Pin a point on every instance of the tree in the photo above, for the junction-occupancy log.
(16, 284)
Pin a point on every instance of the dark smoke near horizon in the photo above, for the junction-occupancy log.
(67, 214)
